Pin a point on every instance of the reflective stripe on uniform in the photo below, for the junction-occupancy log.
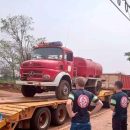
(71, 96)
(113, 102)
(95, 99)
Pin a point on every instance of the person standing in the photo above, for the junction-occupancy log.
(119, 104)
(77, 105)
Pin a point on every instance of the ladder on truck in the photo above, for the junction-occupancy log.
(20, 110)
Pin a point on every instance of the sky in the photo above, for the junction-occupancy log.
(93, 29)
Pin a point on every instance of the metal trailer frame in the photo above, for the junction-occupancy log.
(14, 112)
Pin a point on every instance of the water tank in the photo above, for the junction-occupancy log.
(87, 68)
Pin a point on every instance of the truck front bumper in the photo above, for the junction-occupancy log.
(36, 83)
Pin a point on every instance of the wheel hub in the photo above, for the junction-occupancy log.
(43, 120)
(65, 90)
(61, 115)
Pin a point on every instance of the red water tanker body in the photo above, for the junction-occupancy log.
(87, 68)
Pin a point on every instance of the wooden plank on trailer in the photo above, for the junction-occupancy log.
(8, 112)
(49, 103)
(17, 106)
(12, 100)
(11, 109)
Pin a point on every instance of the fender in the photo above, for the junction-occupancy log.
(59, 77)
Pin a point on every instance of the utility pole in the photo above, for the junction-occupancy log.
(119, 5)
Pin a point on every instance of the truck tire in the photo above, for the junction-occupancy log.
(63, 90)
(28, 91)
(59, 115)
(41, 119)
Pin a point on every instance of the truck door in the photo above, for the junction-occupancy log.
(68, 63)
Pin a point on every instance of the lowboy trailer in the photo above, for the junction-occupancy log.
(32, 113)
(36, 112)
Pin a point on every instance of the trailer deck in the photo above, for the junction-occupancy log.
(21, 108)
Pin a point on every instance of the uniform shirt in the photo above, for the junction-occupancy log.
(120, 101)
(81, 102)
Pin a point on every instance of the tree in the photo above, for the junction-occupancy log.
(9, 56)
(6, 72)
(18, 29)
(128, 55)
(18, 44)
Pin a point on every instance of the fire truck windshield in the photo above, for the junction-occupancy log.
(47, 53)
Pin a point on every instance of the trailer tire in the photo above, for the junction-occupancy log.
(59, 115)
(63, 90)
(28, 91)
(41, 119)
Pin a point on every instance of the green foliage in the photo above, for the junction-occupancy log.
(128, 55)
(18, 28)
(17, 46)
(7, 81)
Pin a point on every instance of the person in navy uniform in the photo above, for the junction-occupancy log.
(119, 105)
(77, 105)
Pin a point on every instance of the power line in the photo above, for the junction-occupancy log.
(120, 10)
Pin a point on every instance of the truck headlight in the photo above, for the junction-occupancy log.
(46, 77)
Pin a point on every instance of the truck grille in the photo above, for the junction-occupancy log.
(31, 74)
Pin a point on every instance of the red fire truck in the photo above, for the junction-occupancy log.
(53, 68)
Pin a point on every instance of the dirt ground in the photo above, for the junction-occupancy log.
(99, 121)
(103, 122)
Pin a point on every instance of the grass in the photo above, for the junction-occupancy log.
(7, 81)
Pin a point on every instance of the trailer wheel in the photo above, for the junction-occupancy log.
(28, 91)
(59, 115)
(63, 90)
(41, 119)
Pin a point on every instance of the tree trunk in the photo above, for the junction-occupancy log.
(13, 73)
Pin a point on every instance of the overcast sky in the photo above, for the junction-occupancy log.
(93, 29)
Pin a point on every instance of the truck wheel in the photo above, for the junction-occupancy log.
(59, 115)
(63, 90)
(28, 91)
(41, 119)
